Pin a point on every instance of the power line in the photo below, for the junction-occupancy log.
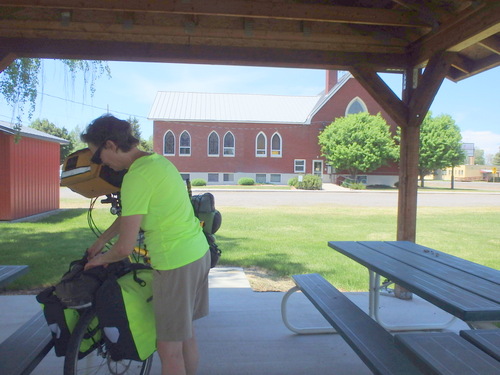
(93, 106)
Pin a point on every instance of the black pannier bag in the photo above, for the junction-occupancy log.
(124, 307)
(62, 321)
(63, 303)
(210, 220)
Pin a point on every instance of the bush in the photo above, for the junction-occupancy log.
(357, 186)
(309, 182)
(246, 181)
(198, 182)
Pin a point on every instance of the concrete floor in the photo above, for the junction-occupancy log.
(244, 333)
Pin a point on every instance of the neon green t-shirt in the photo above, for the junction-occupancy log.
(154, 188)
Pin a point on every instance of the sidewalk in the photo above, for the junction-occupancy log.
(244, 333)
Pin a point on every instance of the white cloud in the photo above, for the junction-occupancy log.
(484, 140)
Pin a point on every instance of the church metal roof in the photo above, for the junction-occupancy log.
(248, 108)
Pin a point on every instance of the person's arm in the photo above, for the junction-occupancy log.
(127, 237)
(104, 238)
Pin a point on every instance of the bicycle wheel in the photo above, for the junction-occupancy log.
(97, 362)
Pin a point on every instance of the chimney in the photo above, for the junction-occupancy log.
(331, 80)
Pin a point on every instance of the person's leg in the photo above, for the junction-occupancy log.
(178, 358)
(191, 355)
(171, 357)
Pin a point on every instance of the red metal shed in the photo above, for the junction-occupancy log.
(29, 172)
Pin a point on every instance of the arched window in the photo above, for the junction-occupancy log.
(213, 144)
(261, 145)
(229, 144)
(185, 144)
(276, 145)
(169, 143)
(355, 106)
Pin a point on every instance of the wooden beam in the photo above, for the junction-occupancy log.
(215, 34)
(419, 100)
(378, 89)
(198, 54)
(6, 58)
(239, 8)
(470, 26)
(492, 44)
(479, 66)
(432, 78)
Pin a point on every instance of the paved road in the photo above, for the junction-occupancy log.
(351, 198)
(486, 195)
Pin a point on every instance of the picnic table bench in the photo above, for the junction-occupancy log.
(384, 354)
(22, 351)
(10, 273)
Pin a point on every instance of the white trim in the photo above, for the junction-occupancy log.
(164, 135)
(224, 147)
(281, 146)
(321, 171)
(361, 103)
(295, 165)
(180, 138)
(208, 145)
(265, 146)
(74, 172)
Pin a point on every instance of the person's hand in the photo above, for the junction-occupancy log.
(95, 249)
(94, 262)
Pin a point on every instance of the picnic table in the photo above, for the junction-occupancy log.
(21, 352)
(10, 273)
(467, 290)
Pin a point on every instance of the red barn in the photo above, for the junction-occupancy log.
(270, 138)
(29, 172)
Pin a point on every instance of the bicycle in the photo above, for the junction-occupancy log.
(98, 361)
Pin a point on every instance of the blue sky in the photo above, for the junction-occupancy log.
(473, 103)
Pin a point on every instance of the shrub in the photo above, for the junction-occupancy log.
(357, 186)
(198, 182)
(246, 181)
(309, 182)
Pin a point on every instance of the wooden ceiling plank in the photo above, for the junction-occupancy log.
(220, 36)
(377, 88)
(241, 8)
(461, 63)
(470, 27)
(492, 43)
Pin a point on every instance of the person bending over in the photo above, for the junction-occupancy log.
(154, 199)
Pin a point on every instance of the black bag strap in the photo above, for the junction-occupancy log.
(188, 184)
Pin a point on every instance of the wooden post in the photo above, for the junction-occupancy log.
(418, 93)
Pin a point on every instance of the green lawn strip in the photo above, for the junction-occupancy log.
(283, 240)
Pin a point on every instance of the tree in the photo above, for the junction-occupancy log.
(75, 136)
(49, 128)
(145, 145)
(358, 143)
(479, 157)
(20, 80)
(440, 145)
(496, 158)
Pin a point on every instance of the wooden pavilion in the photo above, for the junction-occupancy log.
(426, 41)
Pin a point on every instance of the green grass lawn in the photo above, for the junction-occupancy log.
(283, 240)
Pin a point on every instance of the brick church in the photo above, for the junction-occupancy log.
(270, 138)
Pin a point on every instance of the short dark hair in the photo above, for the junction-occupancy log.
(109, 128)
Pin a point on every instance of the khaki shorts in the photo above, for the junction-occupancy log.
(179, 297)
